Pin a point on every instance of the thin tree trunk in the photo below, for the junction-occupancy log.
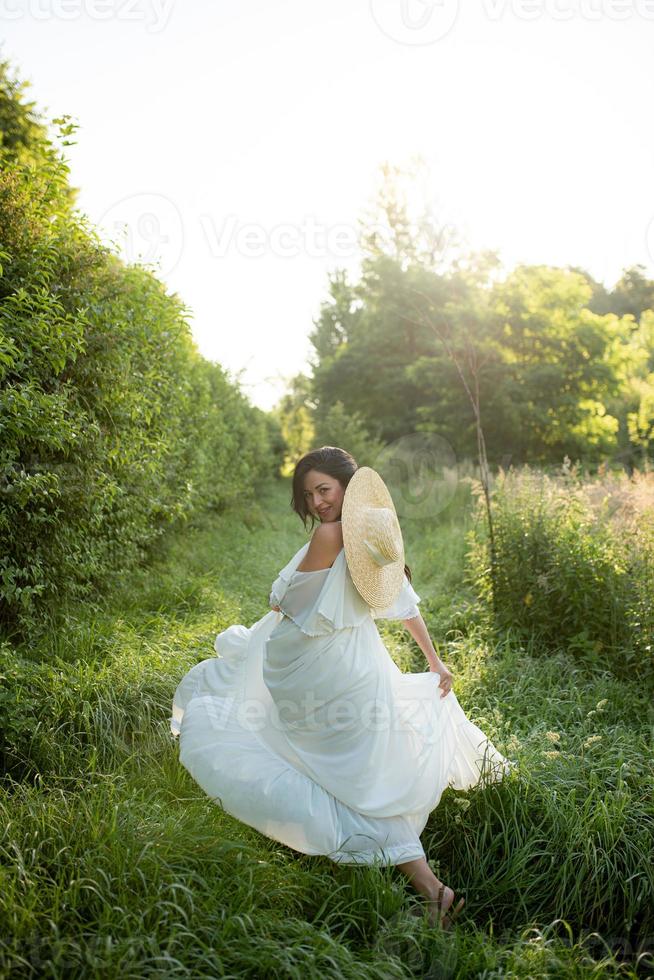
(473, 366)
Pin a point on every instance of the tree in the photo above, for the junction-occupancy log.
(340, 428)
(25, 139)
(640, 389)
(23, 131)
(293, 414)
(633, 293)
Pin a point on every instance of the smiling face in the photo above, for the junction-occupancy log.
(324, 496)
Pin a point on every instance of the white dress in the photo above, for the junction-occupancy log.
(304, 727)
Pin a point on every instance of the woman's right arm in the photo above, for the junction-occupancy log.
(418, 630)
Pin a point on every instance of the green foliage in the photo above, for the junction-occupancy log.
(558, 361)
(632, 294)
(548, 369)
(365, 346)
(640, 387)
(113, 425)
(566, 575)
(293, 416)
(23, 133)
(561, 364)
(341, 428)
(18, 707)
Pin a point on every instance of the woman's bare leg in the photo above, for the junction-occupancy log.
(426, 883)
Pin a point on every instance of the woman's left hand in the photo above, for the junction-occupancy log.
(446, 677)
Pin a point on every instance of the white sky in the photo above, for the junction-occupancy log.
(200, 119)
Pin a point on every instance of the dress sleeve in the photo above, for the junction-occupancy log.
(274, 599)
(404, 607)
(278, 591)
(281, 583)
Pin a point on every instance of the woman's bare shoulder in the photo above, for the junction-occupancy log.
(329, 531)
(325, 544)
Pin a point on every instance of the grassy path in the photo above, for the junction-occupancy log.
(113, 863)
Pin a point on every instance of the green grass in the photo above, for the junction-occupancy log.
(113, 863)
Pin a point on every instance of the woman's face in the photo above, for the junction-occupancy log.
(324, 495)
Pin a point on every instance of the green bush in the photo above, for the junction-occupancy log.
(566, 575)
(113, 425)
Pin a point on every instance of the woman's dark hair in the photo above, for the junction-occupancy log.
(332, 461)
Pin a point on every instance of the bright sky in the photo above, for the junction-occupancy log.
(239, 142)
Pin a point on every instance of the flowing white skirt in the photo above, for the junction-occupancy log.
(322, 743)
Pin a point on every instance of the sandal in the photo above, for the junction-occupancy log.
(449, 917)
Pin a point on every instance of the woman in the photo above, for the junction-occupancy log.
(304, 727)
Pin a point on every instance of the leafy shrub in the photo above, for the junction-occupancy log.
(565, 574)
(113, 425)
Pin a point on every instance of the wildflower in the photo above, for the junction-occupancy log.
(552, 754)
(591, 740)
(553, 736)
(528, 599)
(513, 744)
(600, 704)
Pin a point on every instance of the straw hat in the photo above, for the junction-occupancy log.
(372, 538)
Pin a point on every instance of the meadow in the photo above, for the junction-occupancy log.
(114, 863)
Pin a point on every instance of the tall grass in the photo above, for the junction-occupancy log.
(575, 566)
(114, 863)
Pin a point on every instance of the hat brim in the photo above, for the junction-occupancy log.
(378, 585)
